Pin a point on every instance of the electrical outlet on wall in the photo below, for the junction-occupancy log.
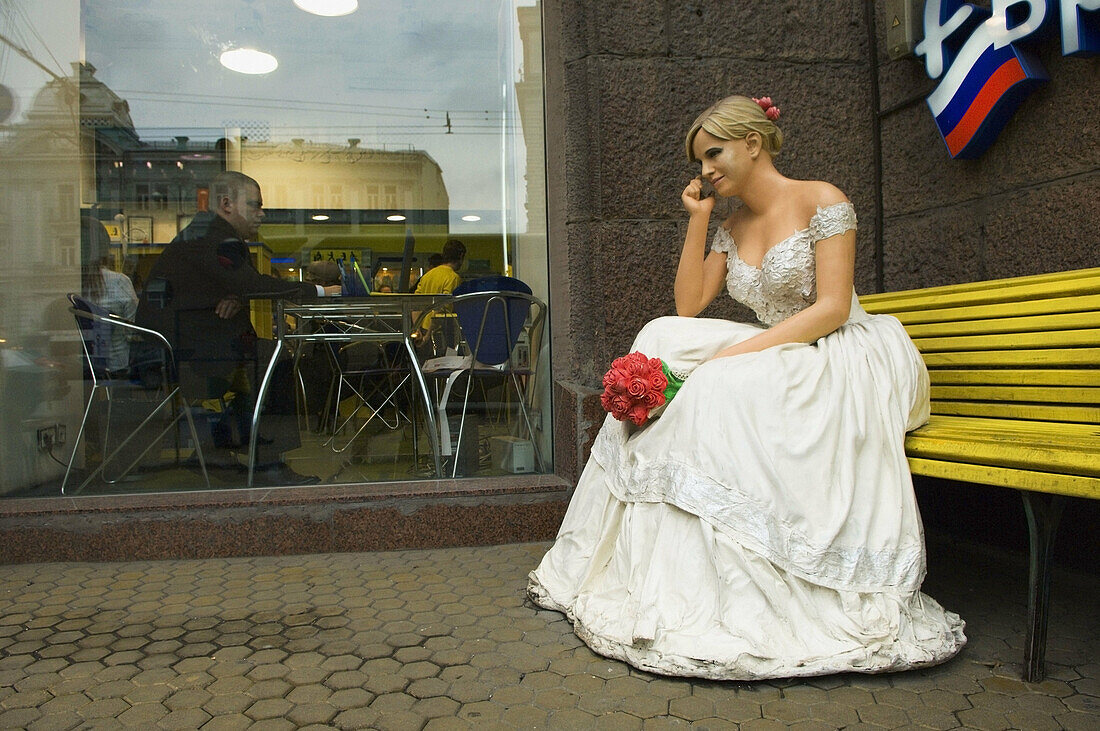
(51, 436)
(47, 435)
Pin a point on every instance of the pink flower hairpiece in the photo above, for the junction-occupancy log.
(770, 110)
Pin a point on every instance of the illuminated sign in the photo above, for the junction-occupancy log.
(986, 74)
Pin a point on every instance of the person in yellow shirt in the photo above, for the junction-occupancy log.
(442, 280)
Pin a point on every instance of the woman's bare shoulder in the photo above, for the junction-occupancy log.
(813, 194)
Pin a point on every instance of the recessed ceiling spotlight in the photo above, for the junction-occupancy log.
(328, 8)
(471, 218)
(395, 217)
(319, 217)
(249, 61)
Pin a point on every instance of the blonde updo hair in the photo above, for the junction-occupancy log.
(732, 119)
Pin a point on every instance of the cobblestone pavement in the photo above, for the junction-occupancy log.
(443, 639)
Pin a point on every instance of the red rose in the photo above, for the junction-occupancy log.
(636, 387)
(658, 381)
(639, 414)
(653, 399)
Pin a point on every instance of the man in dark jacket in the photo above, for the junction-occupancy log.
(197, 296)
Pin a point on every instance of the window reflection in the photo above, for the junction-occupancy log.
(379, 135)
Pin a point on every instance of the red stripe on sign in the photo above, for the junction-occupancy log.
(1003, 79)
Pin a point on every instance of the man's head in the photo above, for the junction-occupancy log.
(454, 251)
(236, 198)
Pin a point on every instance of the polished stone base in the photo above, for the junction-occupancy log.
(268, 522)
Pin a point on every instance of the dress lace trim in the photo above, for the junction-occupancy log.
(833, 220)
(846, 568)
(785, 283)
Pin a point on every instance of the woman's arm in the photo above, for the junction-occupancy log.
(835, 258)
(698, 279)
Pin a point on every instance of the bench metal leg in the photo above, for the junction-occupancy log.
(1043, 512)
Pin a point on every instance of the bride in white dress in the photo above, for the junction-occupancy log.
(765, 524)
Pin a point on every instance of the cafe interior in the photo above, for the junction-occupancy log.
(368, 163)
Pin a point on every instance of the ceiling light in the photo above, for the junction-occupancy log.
(319, 217)
(328, 8)
(249, 61)
(395, 217)
(471, 218)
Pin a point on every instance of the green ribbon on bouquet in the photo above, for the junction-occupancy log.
(674, 382)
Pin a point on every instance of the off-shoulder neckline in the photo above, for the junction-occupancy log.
(776, 245)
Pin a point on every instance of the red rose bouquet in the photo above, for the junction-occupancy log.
(635, 386)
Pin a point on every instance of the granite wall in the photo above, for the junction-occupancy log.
(1029, 205)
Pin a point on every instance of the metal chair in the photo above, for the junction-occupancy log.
(96, 327)
(371, 374)
(495, 316)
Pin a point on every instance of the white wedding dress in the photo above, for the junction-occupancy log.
(765, 524)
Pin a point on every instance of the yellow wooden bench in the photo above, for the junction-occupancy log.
(1015, 371)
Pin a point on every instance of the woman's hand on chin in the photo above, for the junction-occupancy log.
(694, 201)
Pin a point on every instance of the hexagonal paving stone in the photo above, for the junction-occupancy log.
(311, 713)
(187, 698)
(184, 719)
(644, 706)
(106, 708)
(228, 703)
(417, 670)
(306, 676)
(269, 708)
(350, 698)
(428, 688)
(691, 708)
(275, 688)
(554, 699)
(392, 702)
(143, 714)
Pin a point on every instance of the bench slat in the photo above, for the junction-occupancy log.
(1057, 305)
(1063, 276)
(1018, 376)
(1028, 324)
(1060, 284)
(1058, 339)
(1035, 412)
(1033, 394)
(1052, 357)
(1040, 437)
(997, 454)
(1076, 288)
(1001, 425)
(1073, 485)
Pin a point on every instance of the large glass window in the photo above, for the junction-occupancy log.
(376, 133)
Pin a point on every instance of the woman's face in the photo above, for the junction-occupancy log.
(725, 163)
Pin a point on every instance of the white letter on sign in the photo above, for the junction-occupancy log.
(1002, 34)
(1071, 24)
(931, 46)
